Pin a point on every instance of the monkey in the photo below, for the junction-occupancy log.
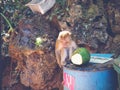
(64, 47)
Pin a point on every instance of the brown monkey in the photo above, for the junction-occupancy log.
(64, 47)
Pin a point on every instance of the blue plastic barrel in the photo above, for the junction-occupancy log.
(74, 79)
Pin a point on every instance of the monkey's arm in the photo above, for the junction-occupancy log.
(74, 45)
(58, 52)
(72, 48)
(58, 57)
(63, 56)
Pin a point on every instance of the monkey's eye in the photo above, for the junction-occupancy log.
(61, 36)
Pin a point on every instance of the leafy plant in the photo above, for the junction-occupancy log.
(60, 9)
(10, 26)
(11, 11)
(38, 41)
(61, 2)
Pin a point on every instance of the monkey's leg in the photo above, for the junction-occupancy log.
(70, 52)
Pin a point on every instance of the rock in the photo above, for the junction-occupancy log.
(92, 11)
(75, 12)
(92, 34)
(116, 29)
(113, 10)
(116, 39)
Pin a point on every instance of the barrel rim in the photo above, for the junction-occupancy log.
(93, 70)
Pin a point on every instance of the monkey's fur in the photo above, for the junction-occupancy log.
(64, 47)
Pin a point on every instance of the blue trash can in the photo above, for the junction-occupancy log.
(78, 79)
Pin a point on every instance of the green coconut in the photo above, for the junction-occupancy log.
(80, 56)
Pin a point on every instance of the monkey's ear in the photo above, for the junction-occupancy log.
(60, 37)
(69, 33)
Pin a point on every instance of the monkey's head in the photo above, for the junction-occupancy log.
(64, 36)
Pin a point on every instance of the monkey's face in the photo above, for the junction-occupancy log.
(65, 37)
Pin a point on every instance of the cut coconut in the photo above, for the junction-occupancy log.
(77, 59)
(80, 56)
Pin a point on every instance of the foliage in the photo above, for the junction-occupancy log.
(11, 28)
(13, 10)
(38, 41)
(61, 2)
(60, 9)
